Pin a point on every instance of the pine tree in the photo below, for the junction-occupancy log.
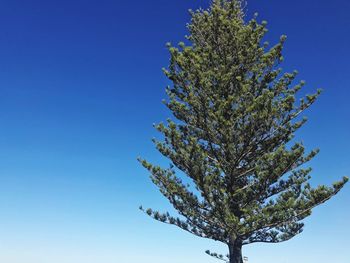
(236, 114)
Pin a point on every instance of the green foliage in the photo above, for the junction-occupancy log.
(236, 114)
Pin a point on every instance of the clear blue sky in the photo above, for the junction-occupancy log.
(81, 85)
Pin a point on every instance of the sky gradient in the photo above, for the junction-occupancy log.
(80, 86)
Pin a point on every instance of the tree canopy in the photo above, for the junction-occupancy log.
(235, 114)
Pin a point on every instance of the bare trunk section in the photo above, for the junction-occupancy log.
(235, 248)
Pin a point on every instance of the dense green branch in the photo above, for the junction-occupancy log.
(236, 115)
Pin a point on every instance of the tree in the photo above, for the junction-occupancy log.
(236, 113)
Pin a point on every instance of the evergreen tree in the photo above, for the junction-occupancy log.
(236, 116)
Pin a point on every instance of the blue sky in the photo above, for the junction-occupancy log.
(81, 85)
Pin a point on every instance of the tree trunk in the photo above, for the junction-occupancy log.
(235, 248)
